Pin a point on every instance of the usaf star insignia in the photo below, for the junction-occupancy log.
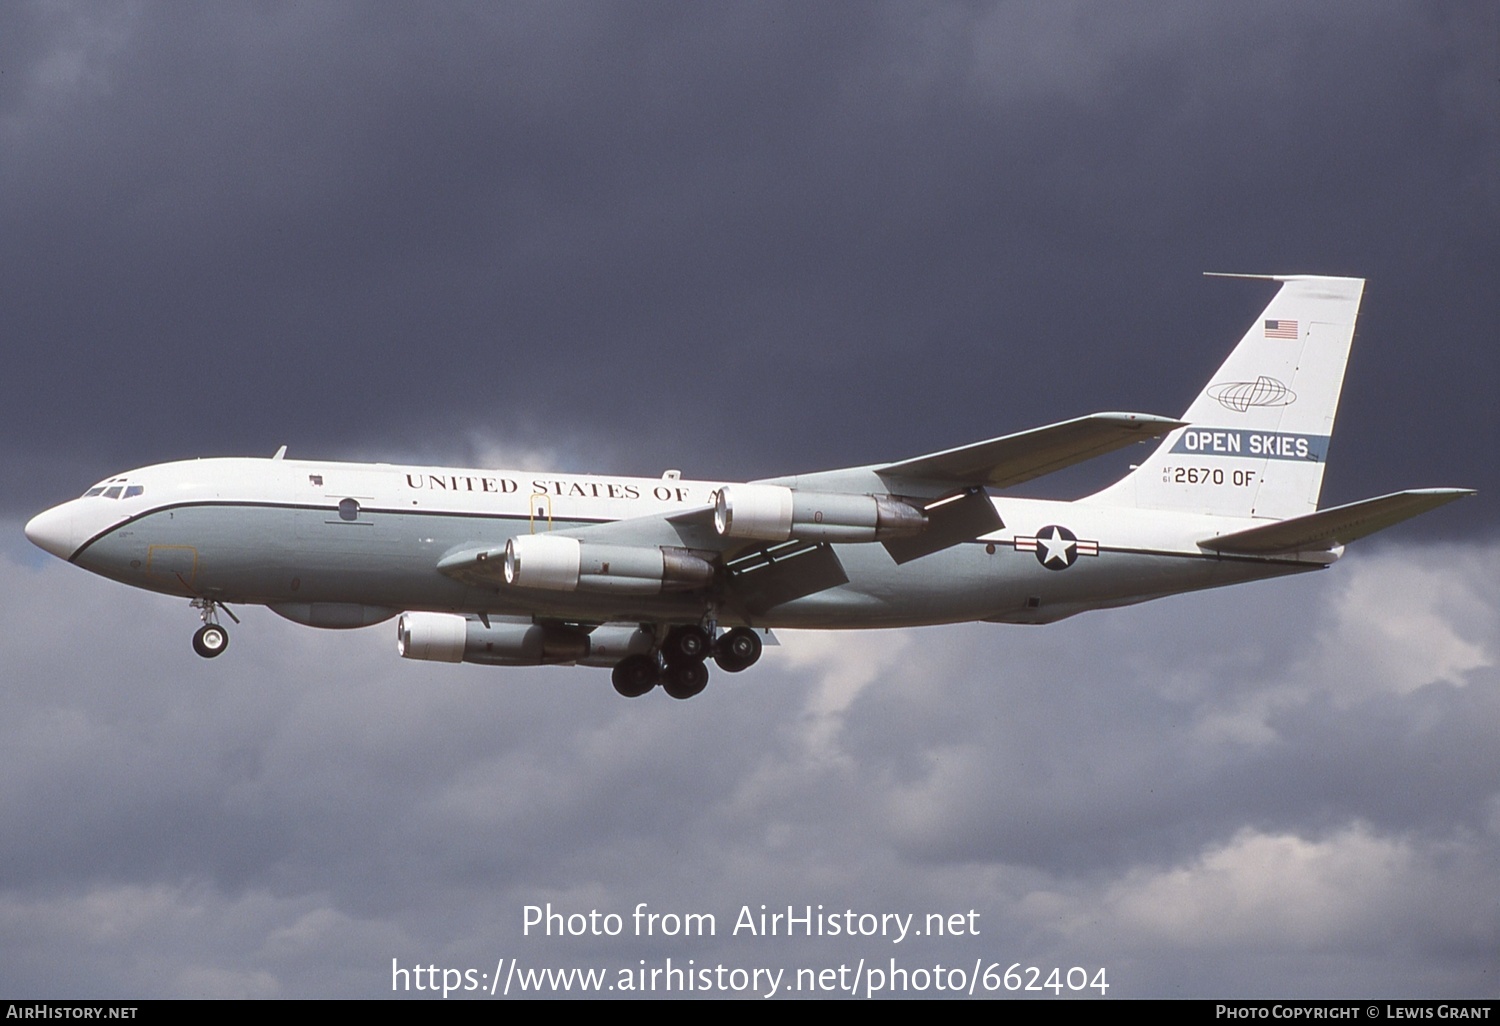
(1056, 548)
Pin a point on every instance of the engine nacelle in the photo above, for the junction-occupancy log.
(450, 638)
(554, 563)
(439, 637)
(774, 513)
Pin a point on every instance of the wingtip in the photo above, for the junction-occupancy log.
(1283, 277)
(1142, 421)
(1449, 493)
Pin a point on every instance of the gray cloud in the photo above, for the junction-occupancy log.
(1286, 788)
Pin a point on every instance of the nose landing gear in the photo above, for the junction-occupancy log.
(211, 639)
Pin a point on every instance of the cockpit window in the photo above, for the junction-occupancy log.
(115, 488)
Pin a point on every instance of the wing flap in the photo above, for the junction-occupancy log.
(950, 521)
(768, 577)
(1012, 459)
(1329, 528)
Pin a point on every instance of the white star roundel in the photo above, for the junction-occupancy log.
(1056, 547)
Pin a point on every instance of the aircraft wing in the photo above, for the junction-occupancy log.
(1329, 528)
(768, 575)
(1012, 459)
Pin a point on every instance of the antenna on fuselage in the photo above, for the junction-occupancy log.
(279, 453)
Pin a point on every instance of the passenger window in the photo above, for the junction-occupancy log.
(348, 509)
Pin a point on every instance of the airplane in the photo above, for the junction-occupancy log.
(655, 577)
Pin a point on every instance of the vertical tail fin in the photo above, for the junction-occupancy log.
(1257, 435)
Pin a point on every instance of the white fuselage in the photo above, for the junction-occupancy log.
(344, 544)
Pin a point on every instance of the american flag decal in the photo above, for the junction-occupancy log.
(1281, 329)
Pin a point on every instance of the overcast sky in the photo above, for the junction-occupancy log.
(745, 240)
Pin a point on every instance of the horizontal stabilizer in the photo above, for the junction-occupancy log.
(1012, 459)
(1329, 528)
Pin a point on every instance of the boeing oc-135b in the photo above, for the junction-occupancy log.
(654, 577)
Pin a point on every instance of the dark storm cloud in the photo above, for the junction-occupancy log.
(373, 228)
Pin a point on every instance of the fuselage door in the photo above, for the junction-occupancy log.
(540, 507)
(175, 566)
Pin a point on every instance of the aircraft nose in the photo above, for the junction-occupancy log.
(54, 531)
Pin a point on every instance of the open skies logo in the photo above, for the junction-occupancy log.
(1240, 396)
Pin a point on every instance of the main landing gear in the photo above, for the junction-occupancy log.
(211, 639)
(737, 650)
(680, 664)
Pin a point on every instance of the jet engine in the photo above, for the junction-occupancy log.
(774, 513)
(554, 563)
(450, 638)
